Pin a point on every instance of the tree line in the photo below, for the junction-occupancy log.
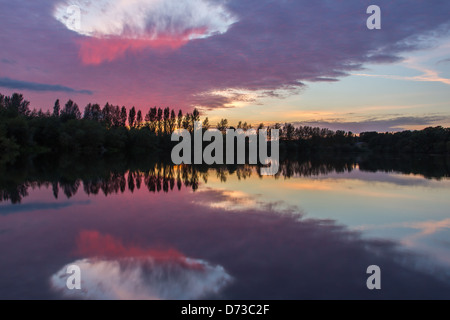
(112, 129)
(157, 119)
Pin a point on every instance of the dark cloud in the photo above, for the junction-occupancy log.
(384, 58)
(374, 124)
(443, 61)
(33, 86)
(323, 79)
(7, 61)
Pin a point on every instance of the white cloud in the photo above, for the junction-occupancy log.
(146, 19)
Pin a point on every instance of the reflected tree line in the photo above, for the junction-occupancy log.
(110, 178)
(160, 178)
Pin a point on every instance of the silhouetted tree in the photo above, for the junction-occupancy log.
(222, 125)
(260, 127)
(172, 121)
(195, 117)
(206, 125)
(123, 116)
(70, 111)
(132, 117)
(187, 122)
(21, 103)
(16, 105)
(107, 115)
(92, 112)
(166, 119)
(96, 113)
(180, 119)
(116, 116)
(56, 109)
(87, 112)
(289, 131)
(139, 119)
(2, 102)
(150, 118)
(159, 118)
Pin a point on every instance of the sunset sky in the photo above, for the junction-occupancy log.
(307, 62)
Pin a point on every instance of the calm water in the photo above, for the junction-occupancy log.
(163, 232)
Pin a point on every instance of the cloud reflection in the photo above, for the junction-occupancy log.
(114, 271)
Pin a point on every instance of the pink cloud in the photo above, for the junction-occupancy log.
(98, 50)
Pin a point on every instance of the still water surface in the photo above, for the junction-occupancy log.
(226, 233)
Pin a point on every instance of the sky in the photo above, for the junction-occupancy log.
(305, 62)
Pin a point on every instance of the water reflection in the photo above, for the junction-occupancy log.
(155, 231)
(163, 177)
(181, 249)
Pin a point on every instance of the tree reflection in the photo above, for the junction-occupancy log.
(119, 177)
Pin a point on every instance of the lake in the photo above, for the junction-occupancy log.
(157, 231)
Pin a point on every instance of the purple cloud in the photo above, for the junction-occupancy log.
(275, 45)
